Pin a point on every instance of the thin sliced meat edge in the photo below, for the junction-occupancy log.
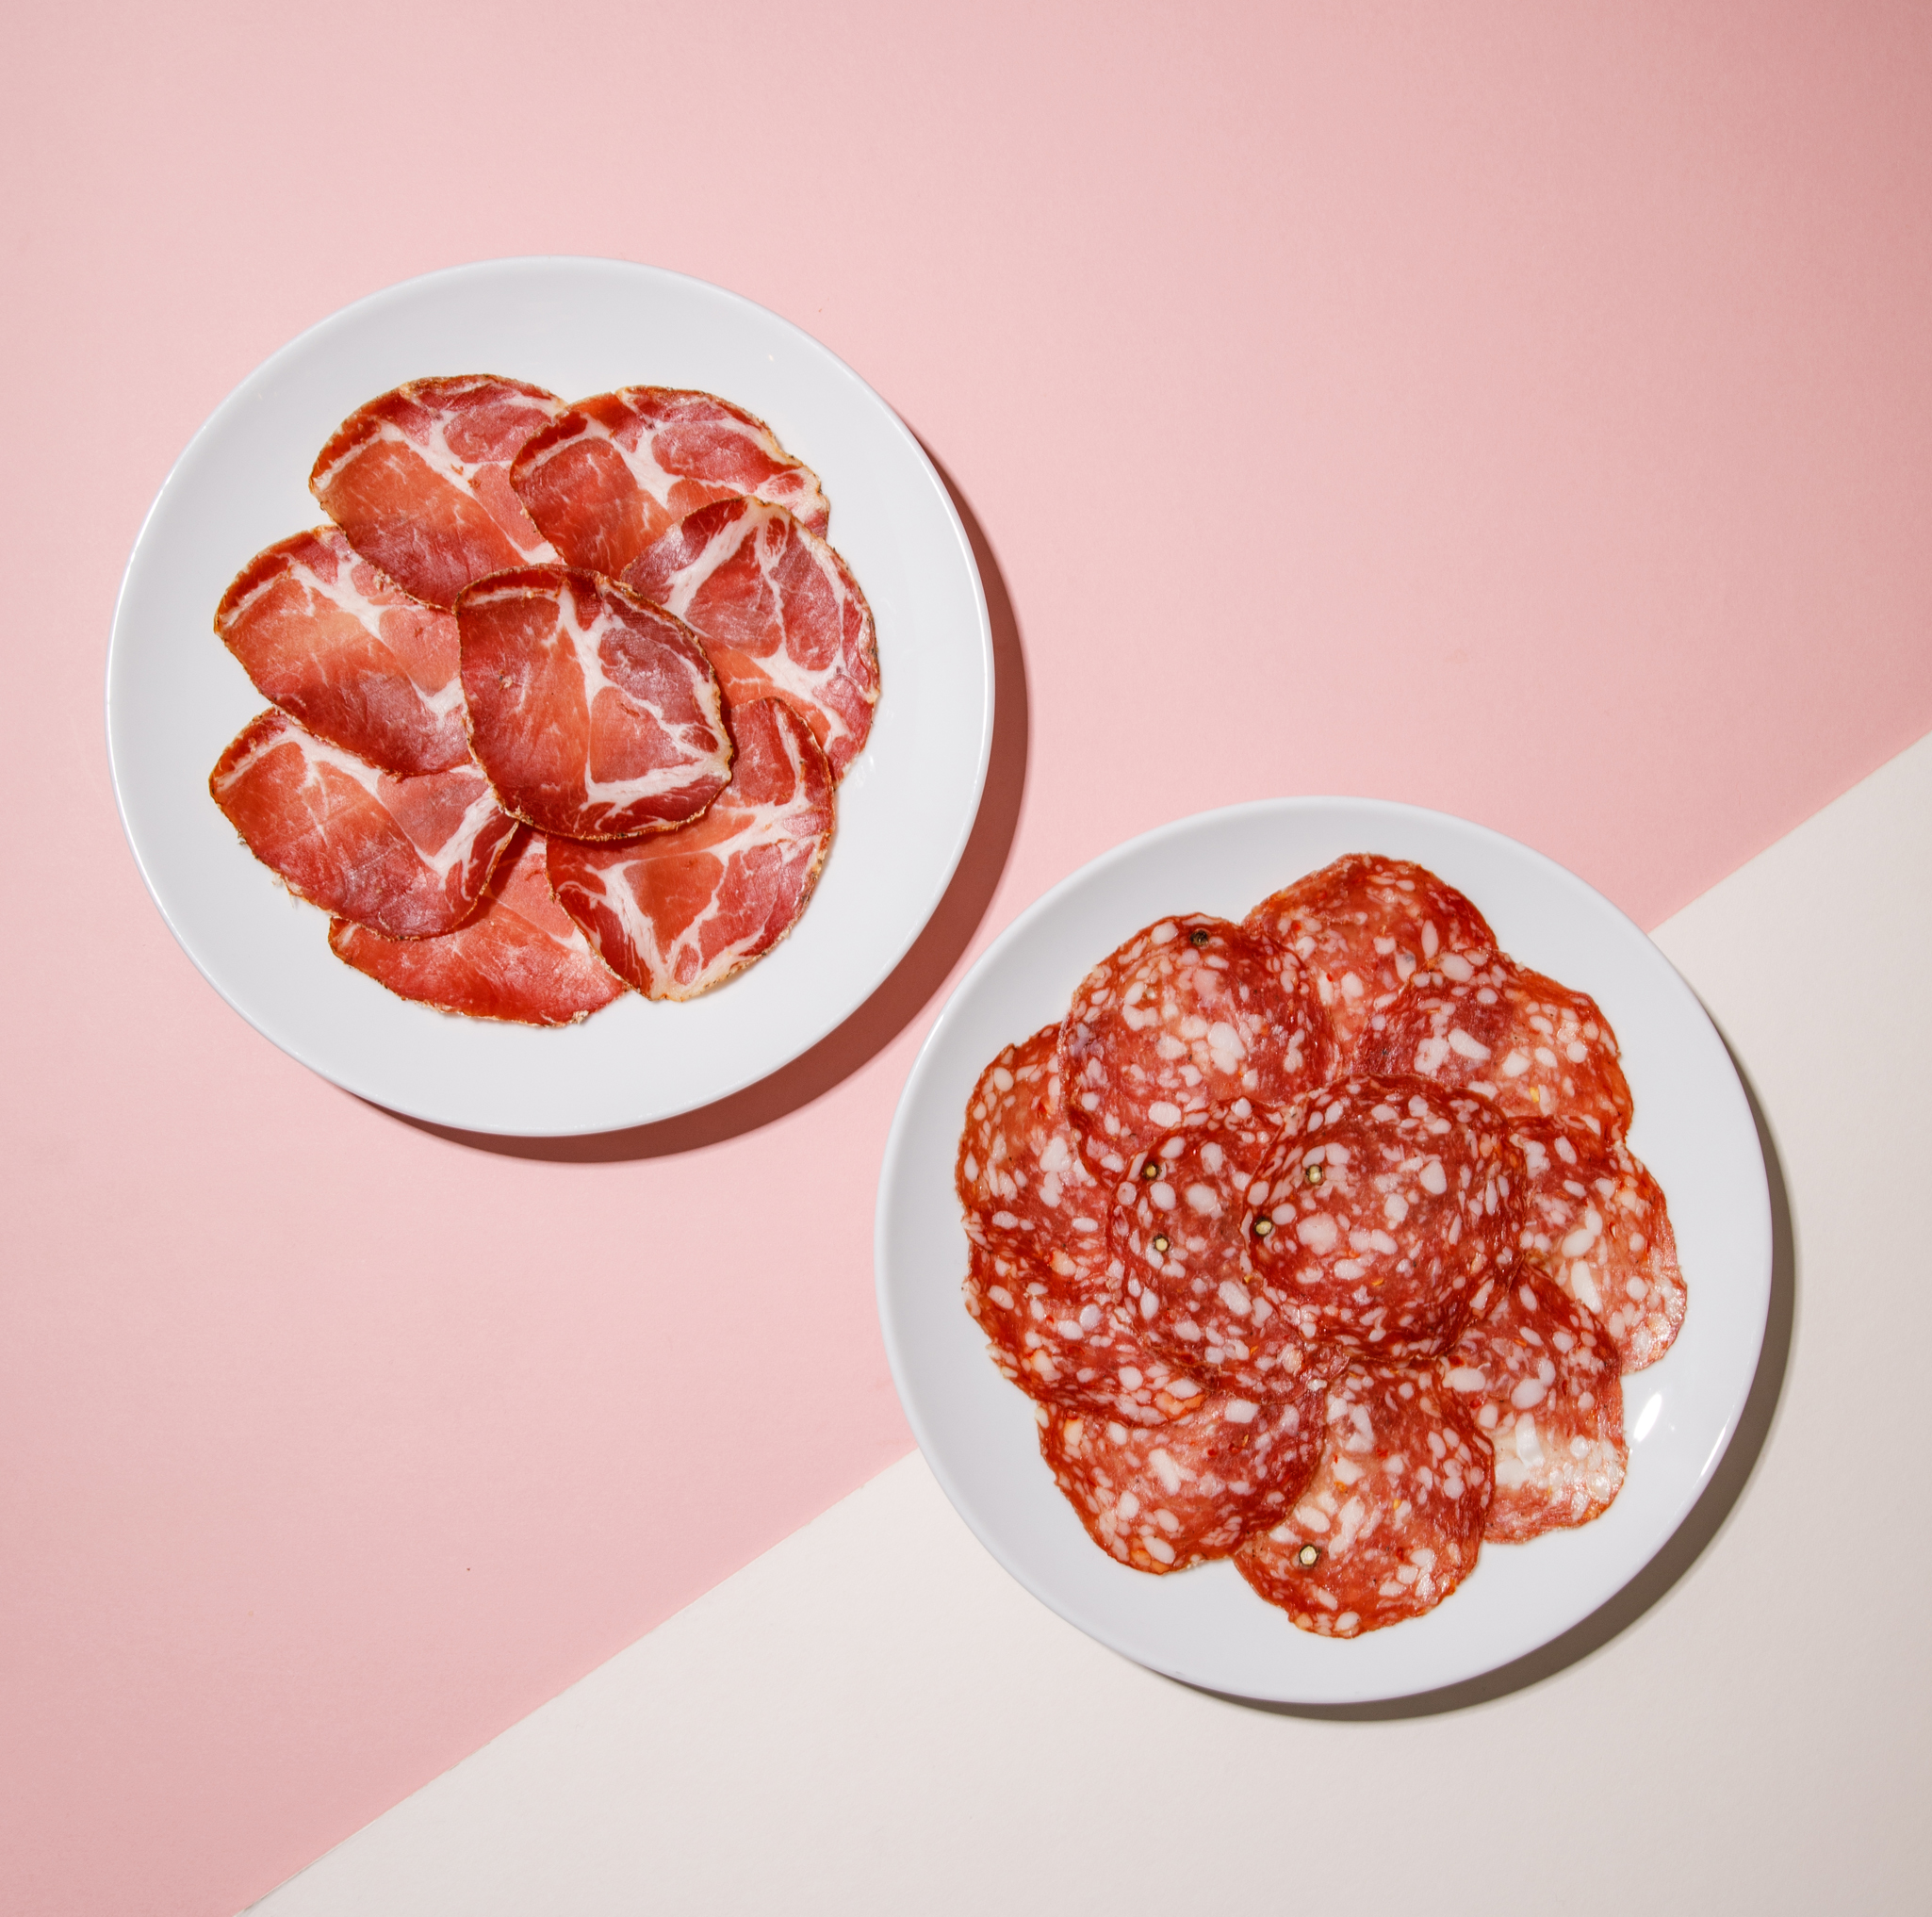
(594, 715)
(617, 470)
(679, 913)
(419, 479)
(521, 959)
(332, 640)
(779, 613)
(406, 856)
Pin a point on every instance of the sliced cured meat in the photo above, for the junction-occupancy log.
(408, 857)
(1541, 1378)
(617, 470)
(1181, 1234)
(1393, 1519)
(334, 642)
(1190, 1013)
(419, 481)
(779, 611)
(519, 959)
(1595, 1216)
(1162, 1498)
(679, 913)
(1383, 1209)
(1365, 925)
(1529, 1046)
(594, 715)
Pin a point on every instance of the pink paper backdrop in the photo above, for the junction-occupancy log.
(1524, 411)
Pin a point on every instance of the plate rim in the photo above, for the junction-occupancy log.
(895, 1168)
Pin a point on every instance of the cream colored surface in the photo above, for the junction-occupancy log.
(872, 1717)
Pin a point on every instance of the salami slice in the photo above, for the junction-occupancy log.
(594, 715)
(779, 611)
(1393, 1519)
(519, 959)
(1541, 1378)
(617, 470)
(1162, 1498)
(1530, 1047)
(337, 643)
(1379, 1213)
(1191, 1013)
(682, 912)
(1596, 1217)
(419, 481)
(408, 857)
(1364, 927)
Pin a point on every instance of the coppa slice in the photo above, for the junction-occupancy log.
(594, 715)
(332, 640)
(1364, 927)
(617, 470)
(1541, 1378)
(1531, 1047)
(779, 613)
(1385, 1205)
(408, 857)
(1393, 1521)
(677, 913)
(419, 481)
(518, 959)
(1190, 1013)
(1162, 1498)
(1596, 1217)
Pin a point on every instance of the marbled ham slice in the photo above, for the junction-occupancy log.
(1532, 1048)
(1364, 927)
(619, 470)
(594, 715)
(779, 611)
(519, 959)
(1393, 1519)
(334, 642)
(1162, 1498)
(675, 914)
(1540, 1375)
(419, 481)
(1191, 1013)
(409, 856)
(1597, 1218)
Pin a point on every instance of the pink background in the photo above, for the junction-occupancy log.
(1522, 411)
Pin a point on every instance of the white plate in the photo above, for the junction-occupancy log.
(176, 697)
(1693, 1127)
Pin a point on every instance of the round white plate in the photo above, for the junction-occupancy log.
(1693, 1127)
(176, 697)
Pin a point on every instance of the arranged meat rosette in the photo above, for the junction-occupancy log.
(1317, 1243)
(520, 784)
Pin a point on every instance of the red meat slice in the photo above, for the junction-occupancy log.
(1162, 1498)
(1365, 925)
(1595, 1216)
(1540, 1376)
(615, 471)
(679, 913)
(332, 640)
(1527, 1045)
(779, 613)
(409, 856)
(1190, 1013)
(1385, 1205)
(595, 715)
(419, 481)
(1393, 1519)
(519, 959)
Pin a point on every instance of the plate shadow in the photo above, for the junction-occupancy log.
(911, 983)
(1685, 1547)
